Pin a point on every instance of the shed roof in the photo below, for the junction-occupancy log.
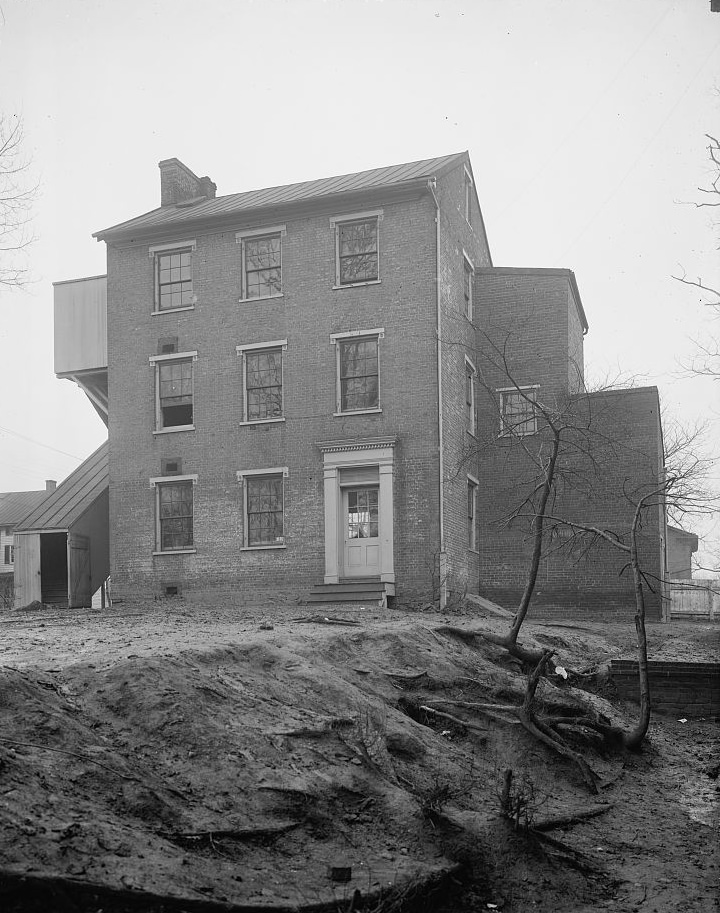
(14, 505)
(72, 497)
(237, 203)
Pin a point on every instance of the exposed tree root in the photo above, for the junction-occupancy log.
(466, 724)
(468, 635)
(550, 824)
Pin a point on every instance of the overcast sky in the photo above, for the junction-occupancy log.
(585, 123)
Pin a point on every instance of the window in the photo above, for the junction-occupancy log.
(468, 272)
(518, 415)
(468, 197)
(174, 513)
(264, 507)
(263, 381)
(357, 259)
(472, 487)
(358, 379)
(173, 276)
(470, 412)
(261, 262)
(174, 391)
(9, 554)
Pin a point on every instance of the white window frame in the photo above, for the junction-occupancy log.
(471, 372)
(156, 361)
(337, 339)
(505, 430)
(472, 489)
(174, 247)
(256, 234)
(243, 351)
(242, 475)
(467, 190)
(336, 222)
(157, 482)
(468, 270)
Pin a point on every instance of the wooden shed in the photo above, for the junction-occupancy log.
(62, 548)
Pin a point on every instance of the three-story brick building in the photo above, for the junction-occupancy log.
(292, 385)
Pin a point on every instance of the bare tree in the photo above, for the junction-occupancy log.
(17, 195)
(707, 359)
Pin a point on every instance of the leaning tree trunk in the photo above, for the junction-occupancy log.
(634, 739)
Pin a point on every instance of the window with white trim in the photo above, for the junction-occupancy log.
(262, 373)
(174, 513)
(261, 254)
(357, 250)
(468, 273)
(9, 554)
(472, 489)
(470, 410)
(468, 197)
(358, 371)
(173, 276)
(174, 391)
(518, 415)
(264, 511)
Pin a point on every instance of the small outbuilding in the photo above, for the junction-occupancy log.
(62, 551)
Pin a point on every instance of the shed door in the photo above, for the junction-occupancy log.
(79, 585)
(27, 569)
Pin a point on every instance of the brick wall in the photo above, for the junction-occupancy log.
(458, 335)
(612, 447)
(679, 689)
(309, 311)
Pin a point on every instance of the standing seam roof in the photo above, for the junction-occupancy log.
(289, 193)
(15, 505)
(73, 496)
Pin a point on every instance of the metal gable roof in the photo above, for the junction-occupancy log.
(72, 497)
(15, 505)
(288, 193)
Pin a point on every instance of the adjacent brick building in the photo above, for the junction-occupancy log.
(297, 384)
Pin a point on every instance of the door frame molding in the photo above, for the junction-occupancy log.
(352, 454)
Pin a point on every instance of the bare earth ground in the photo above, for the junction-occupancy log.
(233, 755)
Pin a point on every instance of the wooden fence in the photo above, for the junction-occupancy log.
(698, 598)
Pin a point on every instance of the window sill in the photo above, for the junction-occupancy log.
(261, 548)
(357, 284)
(357, 412)
(263, 421)
(511, 435)
(188, 307)
(176, 551)
(261, 298)
(172, 430)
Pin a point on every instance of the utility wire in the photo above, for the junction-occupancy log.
(39, 443)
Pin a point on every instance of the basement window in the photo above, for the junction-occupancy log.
(174, 391)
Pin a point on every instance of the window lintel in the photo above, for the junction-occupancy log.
(256, 346)
(158, 480)
(358, 216)
(242, 474)
(378, 332)
(173, 356)
(246, 233)
(190, 244)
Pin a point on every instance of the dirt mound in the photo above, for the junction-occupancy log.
(244, 771)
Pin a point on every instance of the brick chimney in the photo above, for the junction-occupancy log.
(50, 484)
(178, 184)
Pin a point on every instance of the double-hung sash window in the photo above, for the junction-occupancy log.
(173, 276)
(174, 391)
(358, 371)
(357, 249)
(261, 262)
(174, 513)
(9, 555)
(468, 272)
(518, 415)
(264, 507)
(262, 369)
(472, 488)
(470, 410)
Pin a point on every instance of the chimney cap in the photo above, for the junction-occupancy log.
(50, 484)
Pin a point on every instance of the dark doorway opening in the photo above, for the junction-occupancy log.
(53, 568)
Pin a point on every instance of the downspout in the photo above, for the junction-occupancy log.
(442, 557)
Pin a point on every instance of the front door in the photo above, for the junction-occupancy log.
(361, 531)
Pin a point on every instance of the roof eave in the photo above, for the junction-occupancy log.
(126, 231)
